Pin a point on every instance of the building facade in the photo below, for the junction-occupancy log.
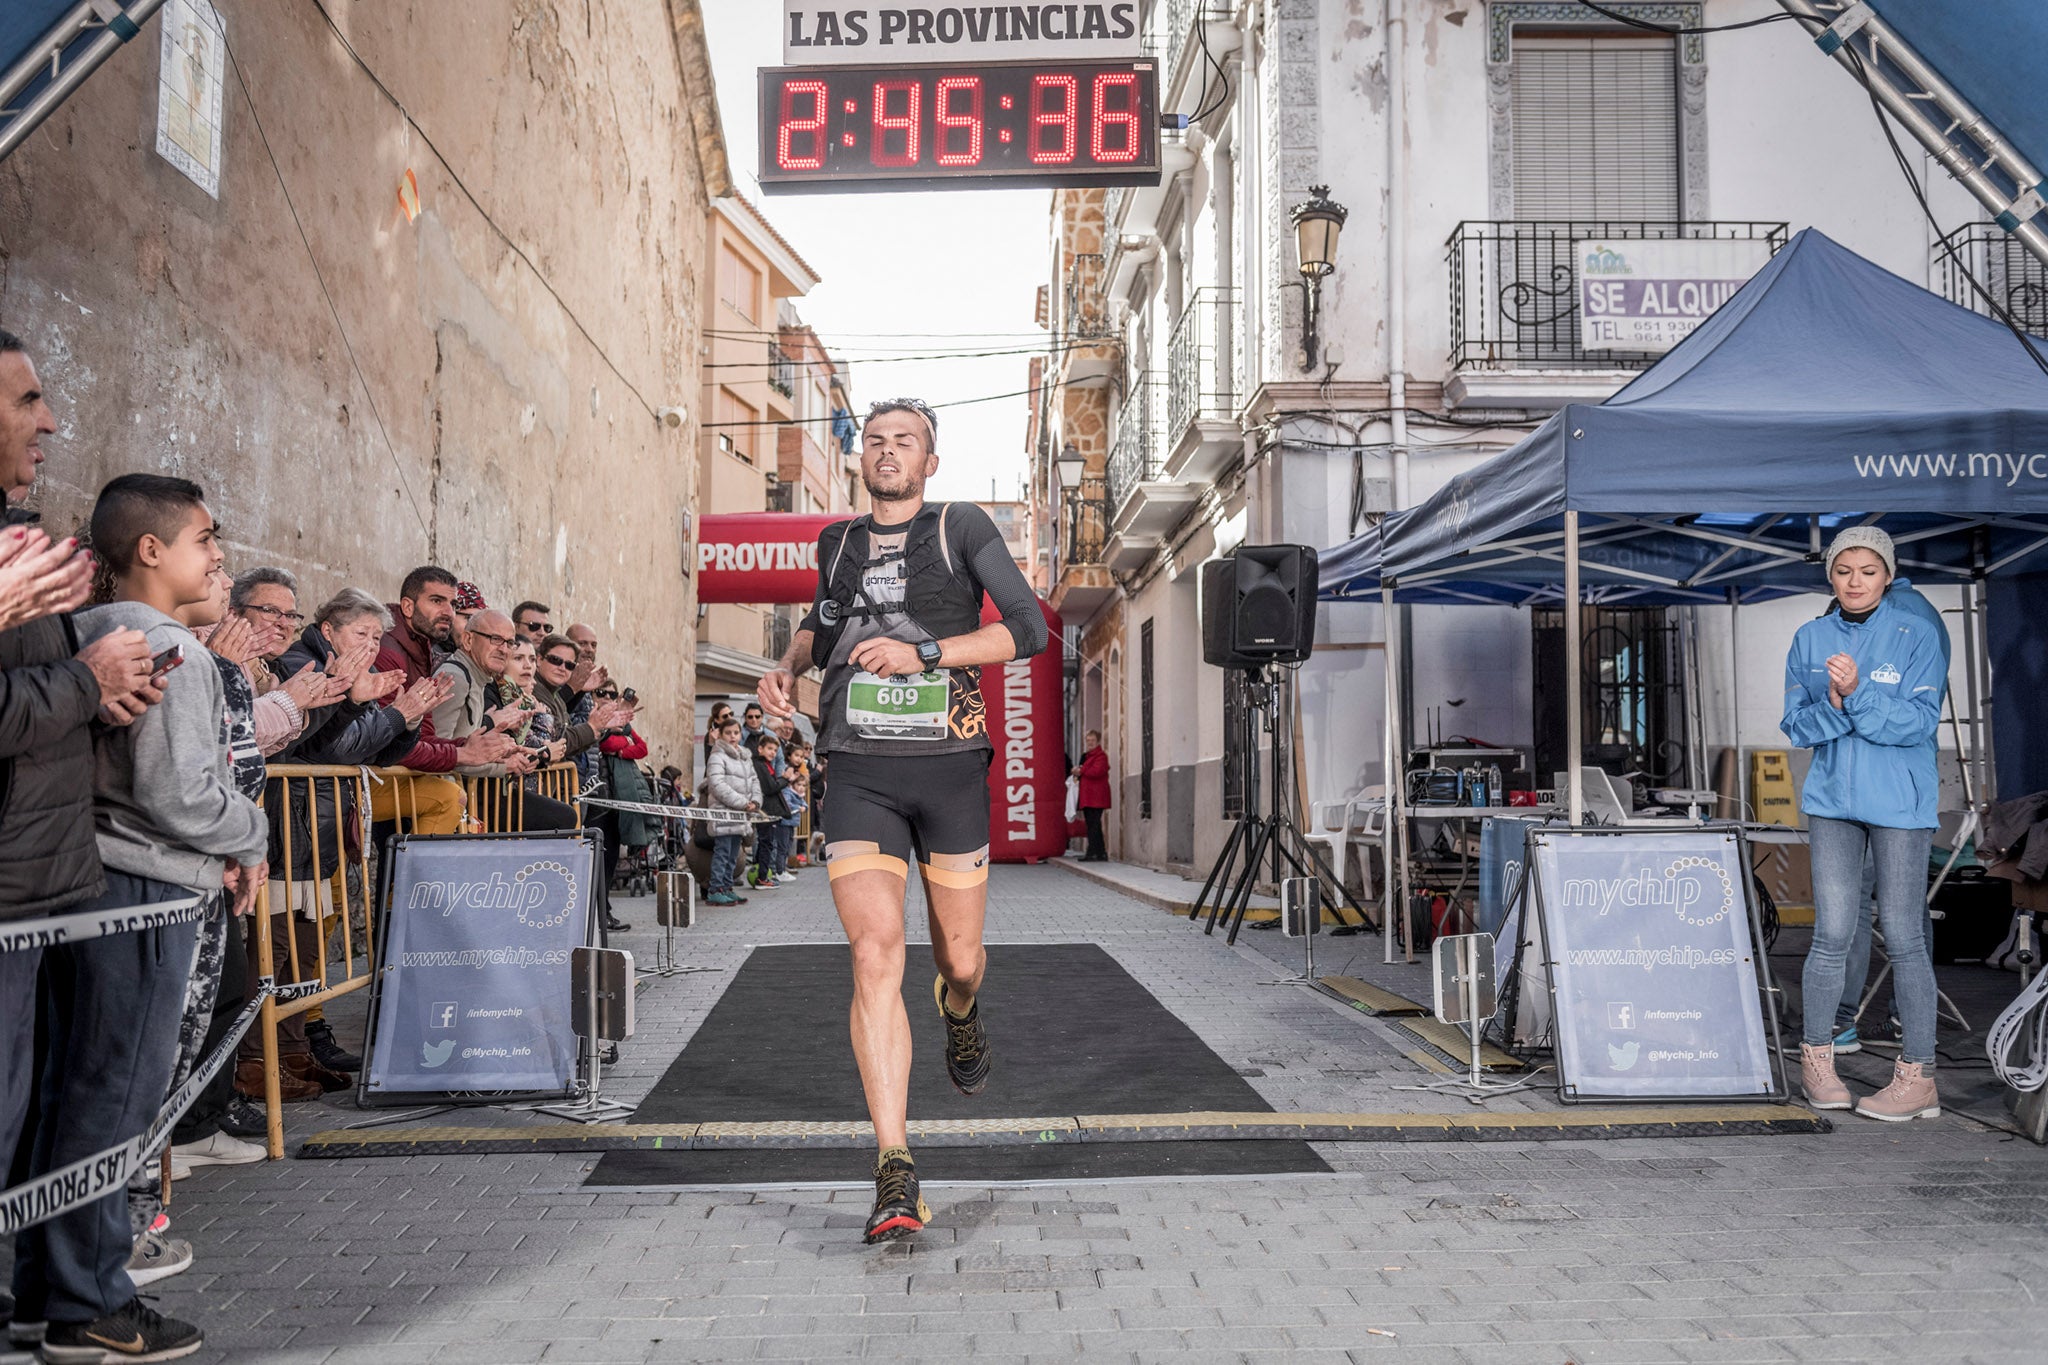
(360, 320)
(1474, 143)
(778, 431)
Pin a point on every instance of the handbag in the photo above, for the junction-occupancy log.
(1073, 797)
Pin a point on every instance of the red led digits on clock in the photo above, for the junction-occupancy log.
(792, 127)
(1066, 118)
(907, 123)
(1125, 118)
(964, 149)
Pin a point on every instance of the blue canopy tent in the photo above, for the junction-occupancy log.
(1826, 391)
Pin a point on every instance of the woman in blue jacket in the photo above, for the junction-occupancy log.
(1863, 690)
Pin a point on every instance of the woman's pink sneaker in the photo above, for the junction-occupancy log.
(1824, 1089)
(1911, 1095)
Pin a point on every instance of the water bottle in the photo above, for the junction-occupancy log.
(1496, 791)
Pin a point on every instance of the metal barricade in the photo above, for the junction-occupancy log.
(315, 908)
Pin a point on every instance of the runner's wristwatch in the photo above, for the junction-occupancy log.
(928, 653)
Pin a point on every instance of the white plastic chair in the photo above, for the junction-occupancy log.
(1359, 818)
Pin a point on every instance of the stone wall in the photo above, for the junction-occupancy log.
(486, 399)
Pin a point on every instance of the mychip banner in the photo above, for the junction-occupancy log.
(472, 986)
(1653, 970)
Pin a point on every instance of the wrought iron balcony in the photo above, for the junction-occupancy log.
(781, 370)
(2009, 273)
(1135, 456)
(1084, 312)
(1202, 365)
(1515, 290)
(1084, 527)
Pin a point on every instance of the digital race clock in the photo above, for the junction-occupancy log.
(937, 127)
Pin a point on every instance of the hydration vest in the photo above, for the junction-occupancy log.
(940, 599)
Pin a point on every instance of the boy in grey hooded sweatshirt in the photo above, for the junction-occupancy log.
(169, 822)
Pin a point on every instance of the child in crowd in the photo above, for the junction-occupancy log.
(170, 822)
(730, 785)
(157, 1256)
(768, 771)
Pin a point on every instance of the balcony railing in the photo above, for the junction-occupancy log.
(1084, 313)
(1202, 362)
(1134, 456)
(781, 370)
(2008, 271)
(1084, 526)
(1515, 289)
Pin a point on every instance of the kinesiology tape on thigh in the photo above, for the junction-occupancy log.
(849, 856)
(960, 871)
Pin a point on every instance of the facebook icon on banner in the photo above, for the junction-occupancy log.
(441, 1016)
(1621, 1015)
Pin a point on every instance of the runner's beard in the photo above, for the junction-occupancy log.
(913, 487)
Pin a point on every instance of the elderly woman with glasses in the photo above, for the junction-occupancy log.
(556, 660)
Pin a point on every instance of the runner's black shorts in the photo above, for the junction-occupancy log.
(886, 809)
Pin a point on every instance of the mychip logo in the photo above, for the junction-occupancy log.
(1888, 674)
(541, 894)
(1697, 890)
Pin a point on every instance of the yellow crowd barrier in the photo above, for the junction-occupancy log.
(320, 812)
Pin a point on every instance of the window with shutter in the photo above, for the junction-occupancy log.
(1595, 128)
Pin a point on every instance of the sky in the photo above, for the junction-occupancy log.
(960, 267)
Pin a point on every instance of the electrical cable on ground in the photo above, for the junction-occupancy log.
(2018, 1041)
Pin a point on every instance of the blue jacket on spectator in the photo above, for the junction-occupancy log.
(1874, 759)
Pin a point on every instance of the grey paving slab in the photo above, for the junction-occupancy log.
(1927, 1242)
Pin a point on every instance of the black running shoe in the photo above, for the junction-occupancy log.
(967, 1053)
(133, 1332)
(899, 1209)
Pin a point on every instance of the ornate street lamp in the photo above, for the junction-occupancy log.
(1317, 224)
(1070, 466)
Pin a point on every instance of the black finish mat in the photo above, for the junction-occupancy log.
(1072, 1033)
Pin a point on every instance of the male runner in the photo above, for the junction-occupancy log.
(896, 626)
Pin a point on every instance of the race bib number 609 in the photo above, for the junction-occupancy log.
(912, 707)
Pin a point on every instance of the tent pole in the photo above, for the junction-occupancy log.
(1397, 788)
(1389, 893)
(1982, 734)
(1574, 677)
(1735, 702)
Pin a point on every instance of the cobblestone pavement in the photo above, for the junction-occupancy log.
(1924, 1242)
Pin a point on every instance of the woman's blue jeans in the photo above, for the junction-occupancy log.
(1900, 855)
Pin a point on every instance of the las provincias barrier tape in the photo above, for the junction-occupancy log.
(95, 1177)
(722, 816)
(88, 924)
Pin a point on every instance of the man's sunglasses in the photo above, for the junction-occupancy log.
(558, 661)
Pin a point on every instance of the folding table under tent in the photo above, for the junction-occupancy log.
(1825, 382)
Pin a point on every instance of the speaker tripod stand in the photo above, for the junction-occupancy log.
(1268, 834)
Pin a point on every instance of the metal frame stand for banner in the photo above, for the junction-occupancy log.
(1256, 835)
(595, 1025)
(1770, 995)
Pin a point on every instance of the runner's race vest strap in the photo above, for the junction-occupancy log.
(937, 596)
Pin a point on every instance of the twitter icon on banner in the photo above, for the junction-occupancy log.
(1623, 1057)
(437, 1054)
